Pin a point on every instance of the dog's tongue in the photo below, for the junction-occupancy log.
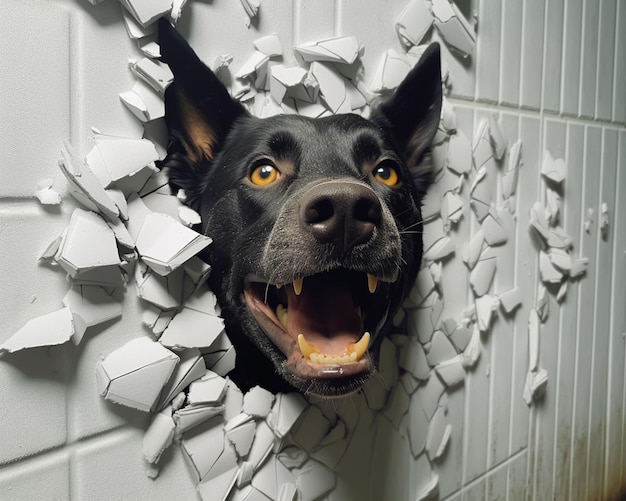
(325, 314)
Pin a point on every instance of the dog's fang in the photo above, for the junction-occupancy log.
(306, 349)
(372, 283)
(282, 314)
(297, 286)
(360, 347)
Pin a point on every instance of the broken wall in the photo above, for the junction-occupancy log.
(526, 401)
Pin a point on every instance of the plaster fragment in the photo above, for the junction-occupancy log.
(46, 194)
(158, 437)
(187, 418)
(208, 390)
(190, 368)
(553, 207)
(511, 175)
(438, 434)
(163, 292)
(332, 87)
(553, 169)
(262, 446)
(413, 22)
(453, 27)
(252, 9)
(164, 244)
(218, 487)
(391, 71)
(143, 102)
(451, 371)
(253, 65)
(147, 11)
(417, 426)
(429, 395)
(480, 195)
(604, 220)
(269, 45)
(493, 230)
(90, 305)
(314, 480)
(510, 299)
(257, 402)
(498, 142)
(578, 267)
(430, 489)
(549, 273)
(471, 354)
(46, 330)
(84, 186)
(485, 306)
(334, 50)
(134, 374)
(192, 329)
(453, 204)
(311, 428)
(472, 252)
(155, 73)
(440, 349)
(533, 339)
(241, 437)
(482, 275)
(88, 244)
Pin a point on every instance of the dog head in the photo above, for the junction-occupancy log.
(316, 223)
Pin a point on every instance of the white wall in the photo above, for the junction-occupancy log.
(554, 74)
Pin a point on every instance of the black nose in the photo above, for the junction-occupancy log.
(342, 213)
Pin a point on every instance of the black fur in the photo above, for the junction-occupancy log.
(275, 230)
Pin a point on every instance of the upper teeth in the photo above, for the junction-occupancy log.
(297, 286)
(372, 284)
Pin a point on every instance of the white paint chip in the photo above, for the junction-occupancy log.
(147, 11)
(257, 402)
(511, 175)
(451, 371)
(46, 194)
(511, 299)
(47, 330)
(192, 329)
(332, 87)
(482, 276)
(391, 71)
(208, 390)
(155, 73)
(188, 418)
(439, 431)
(159, 436)
(285, 412)
(90, 305)
(134, 374)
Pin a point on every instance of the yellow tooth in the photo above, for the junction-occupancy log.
(282, 314)
(278, 286)
(297, 286)
(360, 346)
(307, 350)
(372, 283)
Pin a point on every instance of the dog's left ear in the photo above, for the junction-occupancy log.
(199, 112)
(411, 115)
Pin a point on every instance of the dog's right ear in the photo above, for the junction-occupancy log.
(199, 112)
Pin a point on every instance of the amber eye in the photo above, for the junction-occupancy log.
(264, 175)
(386, 174)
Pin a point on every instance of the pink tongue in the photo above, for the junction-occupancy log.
(325, 314)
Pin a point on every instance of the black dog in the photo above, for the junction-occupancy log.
(316, 223)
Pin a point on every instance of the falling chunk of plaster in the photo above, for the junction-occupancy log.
(283, 78)
(451, 371)
(439, 431)
(177, 10)
(604, 220)
(158, 436)
(578, 267)
(553, 169)
(155, 73)
(257, 402)
(47, 330)
(151, 49)
(533, 339)
(534, 388)
(553, 207)
(241, 436)
(511, 175)
(208, 390)
(163, 292)
(90, 306)
(453, 207)
(164, 244)
(588, 220)
(333, 50)
(269, 45)
(485, 306)
(188, 418)
(413, 22)
(192, 329)
(190, 368)
(332, 87)
(472, 252)
(471, 354)
(134, 374)
(454, 28)
(482, 275)
(549, 273)
(560, 259)
(147, 11)
(124, 162)
(88, 244)
(134, 29)
(391, 70)
(84, 185)
(430, 490)
(511, 299)
(440, 349)
(252, 65)
(45, 194)
(494, 230)
(252, 8)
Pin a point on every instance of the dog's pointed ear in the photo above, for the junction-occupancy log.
(411, 114)
(198, 108)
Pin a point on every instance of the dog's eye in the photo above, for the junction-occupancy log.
(264, 175)
(386, 174)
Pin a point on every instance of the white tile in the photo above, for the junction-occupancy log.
(606, 59)
(512, 13)
(532, 54)
(25, 480)
(488, 51)
(572, 47)
(589, 59)
(554, 54)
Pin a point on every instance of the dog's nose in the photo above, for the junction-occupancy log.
(342, 213)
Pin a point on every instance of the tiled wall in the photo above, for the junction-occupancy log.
(554, 73)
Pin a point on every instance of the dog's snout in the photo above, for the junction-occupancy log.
(344, 214)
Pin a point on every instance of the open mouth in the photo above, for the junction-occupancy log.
(323, 323)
